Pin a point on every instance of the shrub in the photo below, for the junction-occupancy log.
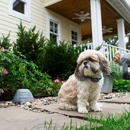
(23, 74)
(59, 61)
(116, 70)
(121, 85)
(30, 43)
(5, 42)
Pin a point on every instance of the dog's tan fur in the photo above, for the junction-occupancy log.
(117, 57)
(81, 93)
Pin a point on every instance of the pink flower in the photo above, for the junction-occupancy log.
(57, 81)
(3, 49)
(5, 71)
(63, 82)
(2, 91)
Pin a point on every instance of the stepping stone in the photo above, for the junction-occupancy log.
(107, 108)
(116, 100)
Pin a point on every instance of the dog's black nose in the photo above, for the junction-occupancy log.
(85, 62)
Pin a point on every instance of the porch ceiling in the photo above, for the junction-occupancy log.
(67, 8)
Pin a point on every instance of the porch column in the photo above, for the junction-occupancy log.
(121, 33)
(96, 22)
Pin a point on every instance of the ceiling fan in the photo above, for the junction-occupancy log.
(106, 30)
(82, 16)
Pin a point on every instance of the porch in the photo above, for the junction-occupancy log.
(97, 19)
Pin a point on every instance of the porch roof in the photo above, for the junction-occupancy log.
(111, 10)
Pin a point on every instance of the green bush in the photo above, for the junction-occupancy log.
(121, 85)
(59, 60)
(5, 42)
(116, 70)
(30, 43)
(23, 74)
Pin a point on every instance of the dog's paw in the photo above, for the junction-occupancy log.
(96, 108)
(82, 110)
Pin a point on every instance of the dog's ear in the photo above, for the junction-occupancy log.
(78, 74)
(104, 64)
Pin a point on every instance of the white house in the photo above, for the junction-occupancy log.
(69, 20)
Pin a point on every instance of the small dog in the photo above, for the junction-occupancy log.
(81, 91)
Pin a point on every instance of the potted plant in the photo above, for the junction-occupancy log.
(116, 73)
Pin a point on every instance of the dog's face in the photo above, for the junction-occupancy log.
(91, 63)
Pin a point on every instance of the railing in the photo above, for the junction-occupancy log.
(109, 50)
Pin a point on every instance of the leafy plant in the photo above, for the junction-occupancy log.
(5, 42)
(23, 74)
(111, 40)
(60, 60)
(121, 85)
(56, 85)
(3, 71)
(116, 70)
(30, 43)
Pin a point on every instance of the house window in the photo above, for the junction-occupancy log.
(74, 37)
(54, 31)
(20, 9)
(19, 6)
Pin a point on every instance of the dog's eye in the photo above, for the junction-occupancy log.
(90, 59)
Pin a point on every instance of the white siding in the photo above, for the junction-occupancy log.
(39, 16)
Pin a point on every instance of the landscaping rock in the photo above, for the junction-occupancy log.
(34, 106)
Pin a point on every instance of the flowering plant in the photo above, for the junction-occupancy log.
(56, 86)
(2, 70)
(1, 91)
(57, 81)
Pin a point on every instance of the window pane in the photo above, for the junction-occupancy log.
(54, 37)
(19, 6)
(74, 42)
(56, 31)
(55, 25)
(51, 23)
(74, 37)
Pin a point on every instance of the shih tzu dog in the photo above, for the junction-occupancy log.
(81, 91)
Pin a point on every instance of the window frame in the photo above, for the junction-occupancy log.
(56, 21)
(77, 30)
(26, 16)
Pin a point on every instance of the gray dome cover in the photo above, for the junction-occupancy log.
(23, 95)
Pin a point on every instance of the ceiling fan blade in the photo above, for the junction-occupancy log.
(86, 14)
(77, 14)
(88, 17)
(76, 18)
(109, 29)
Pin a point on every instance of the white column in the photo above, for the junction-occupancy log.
(121, 33)
(96, 22)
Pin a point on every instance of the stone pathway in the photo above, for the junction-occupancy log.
(16, 118)
(109, 98)
(46, 109)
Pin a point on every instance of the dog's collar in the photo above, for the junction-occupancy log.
(94, 79)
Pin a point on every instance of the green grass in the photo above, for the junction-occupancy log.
(111, 122)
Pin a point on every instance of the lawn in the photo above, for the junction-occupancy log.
(112, 122)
